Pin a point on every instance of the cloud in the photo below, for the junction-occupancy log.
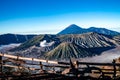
(45, 44)
(8, 46)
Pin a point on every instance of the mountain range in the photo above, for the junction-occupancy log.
(72, 42)
(66, 46)
(14, 38)
(74, 29)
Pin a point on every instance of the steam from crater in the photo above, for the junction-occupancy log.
(45, 44)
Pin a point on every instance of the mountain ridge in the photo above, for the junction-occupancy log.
(70, 30)
(91, 42)
(14, 38)
(88, 40)
(74, 29)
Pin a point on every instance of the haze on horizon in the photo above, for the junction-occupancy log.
(51, 16)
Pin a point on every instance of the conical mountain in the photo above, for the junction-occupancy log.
(66, 51)
(72, 29)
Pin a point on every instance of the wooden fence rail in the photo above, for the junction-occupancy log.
(73, 66)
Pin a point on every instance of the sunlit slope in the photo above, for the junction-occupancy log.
(67, 50)
(35, 41)
(88, 40)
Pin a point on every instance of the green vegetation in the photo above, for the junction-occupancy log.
(34, 41)
(66, 51)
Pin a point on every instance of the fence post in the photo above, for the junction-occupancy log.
(29, 70)
(18, 64)
(53, 69)
(17, 57)
(114, 67)
(76, 64)
(1, 64)
(32, 61)
(41, 66)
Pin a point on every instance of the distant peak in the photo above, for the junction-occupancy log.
(73, 25)
(71, 29)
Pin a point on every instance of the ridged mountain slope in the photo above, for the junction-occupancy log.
(117, 39)
(88, 40)
(66, 51)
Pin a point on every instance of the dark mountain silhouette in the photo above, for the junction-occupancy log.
(14, 38)
(74, 29)
(103, 31)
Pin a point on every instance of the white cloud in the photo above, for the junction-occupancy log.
(9, 45)
(45, 44)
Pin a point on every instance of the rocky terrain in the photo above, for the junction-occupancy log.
(72, 42)
(67, 50)
(66, 46)
(117, 39)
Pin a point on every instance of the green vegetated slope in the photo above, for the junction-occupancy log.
(67, 50)
(6, 39)
(35, 41)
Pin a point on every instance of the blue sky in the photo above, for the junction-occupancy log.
(51, 16)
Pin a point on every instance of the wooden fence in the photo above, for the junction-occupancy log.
(72, 67)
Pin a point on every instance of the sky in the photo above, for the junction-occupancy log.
(52, 16)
